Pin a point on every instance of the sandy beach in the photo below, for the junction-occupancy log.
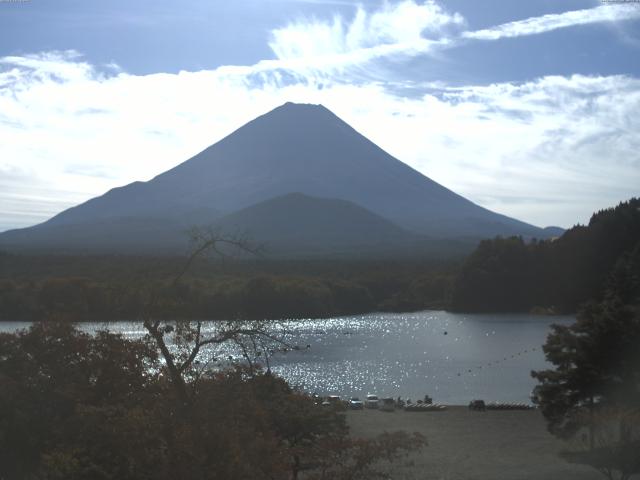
(465, 445)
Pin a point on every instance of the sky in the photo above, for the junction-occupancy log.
(528, 108)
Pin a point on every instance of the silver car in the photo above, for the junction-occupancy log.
(371, 401)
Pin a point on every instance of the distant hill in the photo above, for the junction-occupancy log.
(551, 232)
(294, 148)
(298, 221)
(300, 224)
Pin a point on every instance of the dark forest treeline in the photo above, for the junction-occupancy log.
(511, 275)
(501, 275)
(106, 288)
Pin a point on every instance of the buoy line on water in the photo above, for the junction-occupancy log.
(499, 361)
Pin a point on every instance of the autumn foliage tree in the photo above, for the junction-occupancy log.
(89, 407)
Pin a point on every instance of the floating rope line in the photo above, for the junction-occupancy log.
(498, 362)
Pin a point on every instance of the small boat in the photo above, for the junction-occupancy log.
(509, 406)
(424, 407)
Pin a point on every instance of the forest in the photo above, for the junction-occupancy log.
(552, 276)
(102, 288)
(501, 275)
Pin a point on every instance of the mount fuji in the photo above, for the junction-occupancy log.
(297, 178)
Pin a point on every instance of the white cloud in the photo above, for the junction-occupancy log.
(316, 47)
(26, 198)
(404, 23)
(404, 29)
(521, 149)
(547, 23)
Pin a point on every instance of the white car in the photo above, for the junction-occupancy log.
(356, 404)
(371, 401)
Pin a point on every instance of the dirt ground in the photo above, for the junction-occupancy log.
(465, 445)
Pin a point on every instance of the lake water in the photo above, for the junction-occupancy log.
(451, 357)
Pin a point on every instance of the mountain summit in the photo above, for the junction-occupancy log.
(294, 148)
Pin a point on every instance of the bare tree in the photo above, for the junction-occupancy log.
(181, 341)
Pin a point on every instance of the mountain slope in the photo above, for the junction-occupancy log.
(130, 235)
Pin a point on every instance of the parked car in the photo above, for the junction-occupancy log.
(388, 405)
(371, 401)
(477, 405)
(356, 404)
(330, 400)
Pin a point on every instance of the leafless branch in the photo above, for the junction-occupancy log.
(205, 241)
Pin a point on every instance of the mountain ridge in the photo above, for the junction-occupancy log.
(293, 148)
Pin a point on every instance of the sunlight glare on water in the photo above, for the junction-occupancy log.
(452, 357)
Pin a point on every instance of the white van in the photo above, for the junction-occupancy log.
(371, 401)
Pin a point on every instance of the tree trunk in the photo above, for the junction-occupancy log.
(177, 381)
(592, 426)
(295, 467)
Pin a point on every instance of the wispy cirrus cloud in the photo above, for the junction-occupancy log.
(547, 23)
(311, 48)
(395, 31)
(406, 23)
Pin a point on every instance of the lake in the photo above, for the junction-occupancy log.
(452, 357)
